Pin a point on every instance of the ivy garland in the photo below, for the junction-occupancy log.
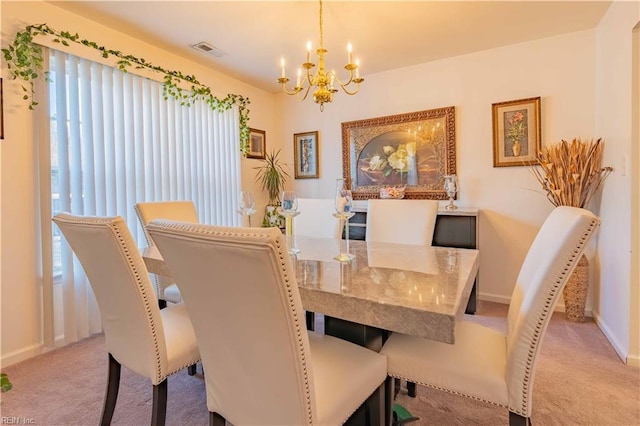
(24, 60)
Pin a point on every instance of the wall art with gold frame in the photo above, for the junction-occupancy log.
(412, 150)
(516, 132)
(257, 144)
(305, 155)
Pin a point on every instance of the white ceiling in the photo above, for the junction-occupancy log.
(385, 34)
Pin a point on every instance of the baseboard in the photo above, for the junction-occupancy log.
(30, 352)
(613, 341)
(22, 355)
(494, 298)
(633, 361)
(506, 300)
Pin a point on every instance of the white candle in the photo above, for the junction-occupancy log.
(282, 68)
(350, 55)
(308, 51)
(357, 68)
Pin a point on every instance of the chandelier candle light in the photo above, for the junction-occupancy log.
(324, 82)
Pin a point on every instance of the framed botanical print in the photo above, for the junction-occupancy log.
(305, 153)
(516, 132)
(257, 143)
(412, 151)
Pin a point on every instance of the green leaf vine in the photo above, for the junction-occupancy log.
(25, 61)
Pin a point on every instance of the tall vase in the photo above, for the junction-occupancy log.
(575, 291)
(516, 148)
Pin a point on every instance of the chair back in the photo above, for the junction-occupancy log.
(548, 264)
(243, 299)
(133, 328)
(184, 211)
(316, 219)
(401, 221)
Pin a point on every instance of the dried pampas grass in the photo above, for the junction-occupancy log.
(571, 172)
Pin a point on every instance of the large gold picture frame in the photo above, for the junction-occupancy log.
(413, 150)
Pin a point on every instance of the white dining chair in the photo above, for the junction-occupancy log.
(485, 364)
(261, 365)
(166, 288)
(316, 219)
(150, 341)
(401, 221)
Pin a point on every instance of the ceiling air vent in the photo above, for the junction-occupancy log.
(205, 47)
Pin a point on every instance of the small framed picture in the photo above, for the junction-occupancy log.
(257, 143)
(516, 132)
(305, 151)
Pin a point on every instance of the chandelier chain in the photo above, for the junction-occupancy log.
(321, 32)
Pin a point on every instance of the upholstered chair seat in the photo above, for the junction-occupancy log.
(499, 367)
(153, 343)
(401, 222)
(166, 288)
(261, 365)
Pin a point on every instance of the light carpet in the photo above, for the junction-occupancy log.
(579, 381)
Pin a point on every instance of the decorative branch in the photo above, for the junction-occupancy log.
(571, 172)
(24, 60)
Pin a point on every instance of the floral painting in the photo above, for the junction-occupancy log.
(516, 132)
(392, 159)
(414, 151)
(516, 125)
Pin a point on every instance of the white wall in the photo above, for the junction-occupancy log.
(560, 69)
(21, 335)
(614, 122)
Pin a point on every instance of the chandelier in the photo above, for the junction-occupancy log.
(322, 81)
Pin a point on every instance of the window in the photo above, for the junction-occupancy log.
(115, 141)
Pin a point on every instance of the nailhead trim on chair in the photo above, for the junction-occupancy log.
(533, 345)
(116, 229)
(282, 252)
(197, 229)
(448, 390)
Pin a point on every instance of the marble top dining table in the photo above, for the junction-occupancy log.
(409, 289)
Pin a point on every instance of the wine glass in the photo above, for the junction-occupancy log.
(289, 209)
(344, 205)
(247, 204)
(289, 201)
(451, 187)
(344, 199)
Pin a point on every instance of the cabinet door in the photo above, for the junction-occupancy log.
(455, 231)
(357, 227)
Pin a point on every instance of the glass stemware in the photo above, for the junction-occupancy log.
(289, 209)
(289, 201)
(344, 206)
(247, 205)
(451, 187)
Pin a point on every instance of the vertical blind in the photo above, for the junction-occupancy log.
(115, 141)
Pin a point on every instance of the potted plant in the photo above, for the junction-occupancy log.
(570, 173)
(272, 176)
(5, 383)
